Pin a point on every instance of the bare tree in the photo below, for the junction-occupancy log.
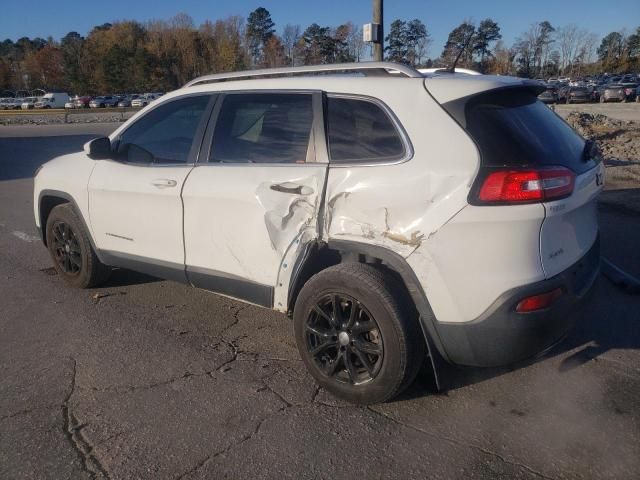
(586, 51)
(355, 44)
(290, 37)
(502, 61)
(568, 42)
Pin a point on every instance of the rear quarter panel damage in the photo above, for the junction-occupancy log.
(403, 206)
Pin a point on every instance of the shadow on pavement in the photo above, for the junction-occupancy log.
(121, 277)
(609, 321)
(21, 156)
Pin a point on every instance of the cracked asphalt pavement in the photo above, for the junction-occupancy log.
(151, 379)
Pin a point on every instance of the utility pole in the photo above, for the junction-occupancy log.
(378, 46)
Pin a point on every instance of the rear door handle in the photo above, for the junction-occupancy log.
(163, 183)
(293, 188)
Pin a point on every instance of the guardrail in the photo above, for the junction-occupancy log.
(69, 111)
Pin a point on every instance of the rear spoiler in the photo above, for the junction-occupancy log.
(456, 108)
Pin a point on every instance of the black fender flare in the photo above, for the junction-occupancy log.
(68, 199)
(399, 264)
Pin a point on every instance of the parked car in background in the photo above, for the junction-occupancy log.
(629, 91)
(104, 101)
(127, 99)
(53, 100)
(28, 103)
(143, 100)
(613, 93)
(550, 95)
(596, 92)
(82, 102)
(4, 102)
(578, 95)
(563, 91)
(14, 103)
(69, 104)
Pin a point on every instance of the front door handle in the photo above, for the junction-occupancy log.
(164, 183)
(293, 188)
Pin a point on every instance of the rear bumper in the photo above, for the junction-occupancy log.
(501, 336)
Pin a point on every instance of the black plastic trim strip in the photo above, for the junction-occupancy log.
(231, 286)
(149, 266)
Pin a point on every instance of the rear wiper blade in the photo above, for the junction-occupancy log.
(591, 150)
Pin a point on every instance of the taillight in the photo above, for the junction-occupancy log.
(526, 186)
(538, 302)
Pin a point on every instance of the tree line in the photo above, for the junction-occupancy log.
(542, 51)
(163, 55)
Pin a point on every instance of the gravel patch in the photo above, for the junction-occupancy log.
(58, 118)
(619, 142)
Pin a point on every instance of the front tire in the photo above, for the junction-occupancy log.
(70, 249)
(357, 334)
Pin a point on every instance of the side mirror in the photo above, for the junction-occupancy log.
(98, 148)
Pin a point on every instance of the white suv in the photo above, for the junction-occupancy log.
(392, 216)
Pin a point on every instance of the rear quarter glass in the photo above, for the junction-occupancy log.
(512, 128)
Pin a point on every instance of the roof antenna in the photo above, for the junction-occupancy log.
(452, 68)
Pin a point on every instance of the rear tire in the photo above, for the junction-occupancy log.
(73, 257)
(357, 333)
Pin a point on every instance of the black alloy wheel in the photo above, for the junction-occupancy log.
(70, 249)
(344, 339)
(66, 248)
(358, 333)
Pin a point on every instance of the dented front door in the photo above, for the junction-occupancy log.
(243, 217)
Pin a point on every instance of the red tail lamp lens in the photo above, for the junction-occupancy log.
(538, 302)
(509, 186)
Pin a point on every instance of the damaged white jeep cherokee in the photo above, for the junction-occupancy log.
(392, 214)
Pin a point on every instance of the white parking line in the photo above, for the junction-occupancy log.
(25, 237)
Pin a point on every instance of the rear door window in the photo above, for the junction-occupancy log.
(361, 131)
(513, 128)
(263, 128)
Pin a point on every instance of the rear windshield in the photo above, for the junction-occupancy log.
(513, 128)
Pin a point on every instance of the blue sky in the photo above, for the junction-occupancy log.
(54, 17)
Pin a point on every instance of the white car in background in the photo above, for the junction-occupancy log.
(29, 103)
(391, 216)
(144, 100)
(14, 103)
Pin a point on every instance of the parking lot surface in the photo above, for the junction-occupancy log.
(619, 111)
(151, 379)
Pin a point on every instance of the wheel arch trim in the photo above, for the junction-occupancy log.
(399, 264)
(70, 200)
